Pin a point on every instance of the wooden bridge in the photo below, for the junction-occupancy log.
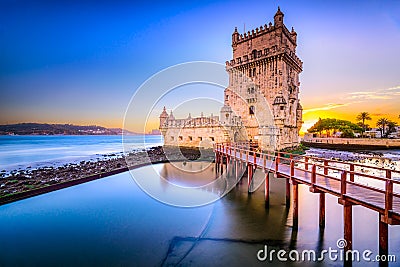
(351, 182)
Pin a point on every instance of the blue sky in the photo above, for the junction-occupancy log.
(81, 61)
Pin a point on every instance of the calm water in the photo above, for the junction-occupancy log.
(35, 151)
(112, 222)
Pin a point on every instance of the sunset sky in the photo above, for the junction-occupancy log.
(81, 61)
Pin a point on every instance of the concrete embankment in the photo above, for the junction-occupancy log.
(351, 144)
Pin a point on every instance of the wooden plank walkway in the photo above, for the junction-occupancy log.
(350, 187)
(367, 196)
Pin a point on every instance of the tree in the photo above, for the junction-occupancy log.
(333, 125)
(382, 123)
(363, 116)
(367, 127)
(391, 127)
(317, 127)
(347, 133)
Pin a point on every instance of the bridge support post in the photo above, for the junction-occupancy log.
(266, 189)
(322, 210)
(295, 205)
(287, 193)
(348, 225)
(216, 162)
(250, 172)
(287, 182)
(236, 171)
(222, 163)
(383, 240)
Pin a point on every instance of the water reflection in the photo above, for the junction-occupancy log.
(188, 174)
(184, 184)
(112, 222)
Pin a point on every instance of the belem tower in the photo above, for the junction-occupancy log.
(261, 103)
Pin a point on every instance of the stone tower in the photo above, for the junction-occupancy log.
(264, 84)
(261, 102)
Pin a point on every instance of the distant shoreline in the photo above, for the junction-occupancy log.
(33, 128)
(117, 134)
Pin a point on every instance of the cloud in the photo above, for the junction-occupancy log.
(326, 107)
(360, 97)
(378, 114)
(382, 94)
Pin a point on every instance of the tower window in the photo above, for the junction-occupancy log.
(254, 53)
(254, 72)
(251, 110)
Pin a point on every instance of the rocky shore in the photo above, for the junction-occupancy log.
(19, 184)
(369, 158)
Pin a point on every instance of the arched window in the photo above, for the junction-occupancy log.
(251, 110)
(254, 53)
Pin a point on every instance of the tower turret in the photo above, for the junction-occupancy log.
(235, 37)
(278, 18)
(171, 116)
(294, 35)
(226, 115)
(163, 117)
(299, 115)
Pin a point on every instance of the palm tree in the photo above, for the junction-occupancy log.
(363, 116)
(391, 127)
(381, 123)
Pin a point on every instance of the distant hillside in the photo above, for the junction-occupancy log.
(58, 129)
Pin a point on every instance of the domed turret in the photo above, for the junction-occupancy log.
(299, 106)
(171, 116)
(163, 117)
(278, 18)
(226, 114)
(293, 33)
(235, 37)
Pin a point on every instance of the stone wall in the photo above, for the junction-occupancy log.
(356, 141)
